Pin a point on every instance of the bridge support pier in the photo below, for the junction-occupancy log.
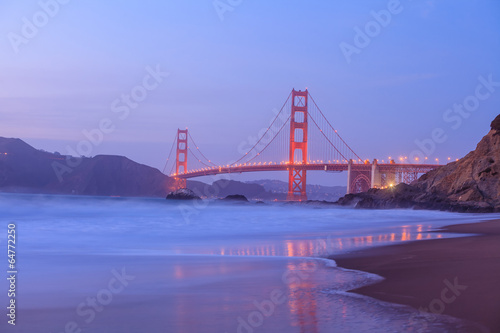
(376, 177)
(358, 177)
(349, 176)
(361, 177)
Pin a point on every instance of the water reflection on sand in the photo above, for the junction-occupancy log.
(323, 246)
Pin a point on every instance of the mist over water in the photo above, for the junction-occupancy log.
(215, 267)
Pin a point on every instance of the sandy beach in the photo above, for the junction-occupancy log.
(456, 276)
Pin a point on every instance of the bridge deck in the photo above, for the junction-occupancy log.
(389, 167)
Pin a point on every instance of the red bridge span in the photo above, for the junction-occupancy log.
(300, 138)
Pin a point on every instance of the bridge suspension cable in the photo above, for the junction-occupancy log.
(272, 140)
(198, 159)
(202, 159)
(321, 131)
(334, 131)
(264, 135)
(326, 146)
(170, 154)
(197, 148)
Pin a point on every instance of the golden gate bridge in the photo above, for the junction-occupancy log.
(300, 138)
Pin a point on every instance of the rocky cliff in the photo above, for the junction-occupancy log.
(471, 184)
(473, 179)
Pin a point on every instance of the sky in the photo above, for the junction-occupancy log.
(390, 75)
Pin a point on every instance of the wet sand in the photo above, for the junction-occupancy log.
(459, 277)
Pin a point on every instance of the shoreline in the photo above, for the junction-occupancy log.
(458, 277)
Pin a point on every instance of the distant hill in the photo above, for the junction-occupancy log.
(314, 192)
(28, 170)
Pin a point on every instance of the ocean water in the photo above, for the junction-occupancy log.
(94, 264)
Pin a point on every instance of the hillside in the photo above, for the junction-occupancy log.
(473, 179)
(24, 169)
(28, 170)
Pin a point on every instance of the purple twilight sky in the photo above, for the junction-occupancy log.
(386, 73)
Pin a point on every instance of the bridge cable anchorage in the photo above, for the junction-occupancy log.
(352, 151)
(197, 148)
(170, 154)
(270, 126)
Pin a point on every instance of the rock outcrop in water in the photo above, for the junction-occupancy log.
(182, 194)
(236, 197)
(471, 184)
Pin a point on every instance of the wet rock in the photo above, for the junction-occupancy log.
(182, 194)
(236, 197)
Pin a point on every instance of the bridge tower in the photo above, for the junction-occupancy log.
(181, 156)
(298, 147)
